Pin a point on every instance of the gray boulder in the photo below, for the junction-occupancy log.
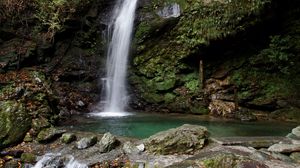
(14, 123)
(86, 142)
(296, 131)
(130, 148)
(108, 142)
(182, 140)
(284, 148)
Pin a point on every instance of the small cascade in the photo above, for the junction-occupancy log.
(57, 160)
(169, 11)
(115, 96)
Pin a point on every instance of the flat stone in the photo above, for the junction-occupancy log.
(284, 148)
(277, 156)
(255, 142)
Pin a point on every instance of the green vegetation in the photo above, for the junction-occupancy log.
(50, 14)
(165, 44)
(279, 55)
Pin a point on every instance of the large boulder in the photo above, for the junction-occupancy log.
(14, 122)
(108, 142)
(182, 140)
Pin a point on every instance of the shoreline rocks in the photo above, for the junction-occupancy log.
(182, 140)
(177, 147)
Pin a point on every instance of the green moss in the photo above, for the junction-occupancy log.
(169, 97)
(153, 97)
(68, 138)
(192, 85)
(37, 75)
(159, 64)
(6, 90)
(199, 110)
(28, 158)
(222, 161)
(14, 123)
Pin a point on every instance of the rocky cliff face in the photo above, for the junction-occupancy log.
(51, 54)
(247, 50)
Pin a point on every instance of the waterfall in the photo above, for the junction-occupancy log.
(120, 34)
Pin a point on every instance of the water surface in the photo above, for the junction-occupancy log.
(142, 125)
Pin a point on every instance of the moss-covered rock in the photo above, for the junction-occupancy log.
(68, 138)
(182, 140)
(28, 158)
(26, 102)
(15, 121)
(219, 160)
(49, 134)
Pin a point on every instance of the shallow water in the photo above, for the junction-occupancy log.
(142, 125)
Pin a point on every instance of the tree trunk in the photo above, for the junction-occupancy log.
(201, 74)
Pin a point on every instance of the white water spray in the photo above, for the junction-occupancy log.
(116, 98)
(58, 160)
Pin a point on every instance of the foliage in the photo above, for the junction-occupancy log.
(13, 8)
(50, 14)
(165, 45)
(279, 53)
(205, 22)
(53, 14)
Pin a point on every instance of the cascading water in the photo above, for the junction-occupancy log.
(116, 98)
(58, 160)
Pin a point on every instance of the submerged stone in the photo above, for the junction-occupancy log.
(182, 140)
